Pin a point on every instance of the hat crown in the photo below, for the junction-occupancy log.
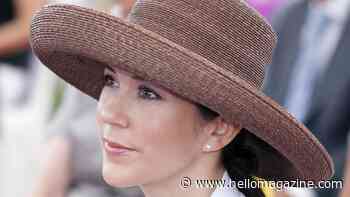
(228, 33)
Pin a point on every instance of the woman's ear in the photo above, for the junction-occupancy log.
(220, 133)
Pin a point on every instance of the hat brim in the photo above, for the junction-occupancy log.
(78, 43)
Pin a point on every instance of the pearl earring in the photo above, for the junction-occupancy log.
(208, 146)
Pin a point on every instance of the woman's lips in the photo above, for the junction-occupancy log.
(115, 148)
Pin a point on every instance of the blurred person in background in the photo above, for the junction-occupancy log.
(266, 7)
(72, 160)
(335, 129)
(15, 17)
(311, 63)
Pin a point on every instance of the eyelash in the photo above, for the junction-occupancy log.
(110, 82)
(148, 91)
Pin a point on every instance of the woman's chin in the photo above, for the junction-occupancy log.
(117, 177)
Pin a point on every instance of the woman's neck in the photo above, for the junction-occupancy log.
(205, 168)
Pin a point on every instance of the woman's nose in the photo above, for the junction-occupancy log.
(114, 112)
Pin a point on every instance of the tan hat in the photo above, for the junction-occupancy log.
(212, 52)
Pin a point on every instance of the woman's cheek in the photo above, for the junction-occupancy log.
(164, 142)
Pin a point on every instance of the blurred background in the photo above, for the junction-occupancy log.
(46, 125)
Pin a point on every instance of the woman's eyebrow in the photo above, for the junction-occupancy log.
(110, 68)
(133, 76)
(150, 83)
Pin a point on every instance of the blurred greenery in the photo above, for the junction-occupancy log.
(57, 97)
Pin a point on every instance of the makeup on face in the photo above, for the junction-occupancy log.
(111, 146)
(115, 148)
(142, 132)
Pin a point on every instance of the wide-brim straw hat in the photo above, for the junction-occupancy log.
(212, 52)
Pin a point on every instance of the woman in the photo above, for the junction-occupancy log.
(178, 88)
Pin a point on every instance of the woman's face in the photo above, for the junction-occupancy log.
(162, 129)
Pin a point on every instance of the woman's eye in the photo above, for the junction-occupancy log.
(109, 81)
(147, 93)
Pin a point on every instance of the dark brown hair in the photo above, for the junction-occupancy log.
(239, 158)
